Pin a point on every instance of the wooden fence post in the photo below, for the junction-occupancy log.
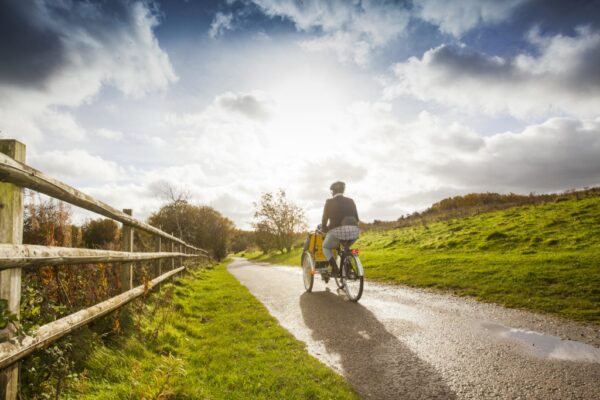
(172, 258)
(157, 248)
(11, 231)
(127, 269)
(181, 250)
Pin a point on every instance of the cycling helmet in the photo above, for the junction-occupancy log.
(337, 187)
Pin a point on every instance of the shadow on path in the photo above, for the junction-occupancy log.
(375, 362)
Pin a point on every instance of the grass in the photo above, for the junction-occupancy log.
(213, 341)
(544, 258)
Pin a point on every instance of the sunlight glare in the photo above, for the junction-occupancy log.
(308, 112)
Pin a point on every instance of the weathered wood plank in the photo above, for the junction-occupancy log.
(127, 245)
(14, 350)
(19, 174)
(11, 231)
(173, 259)
(28, 255)
(158, 249)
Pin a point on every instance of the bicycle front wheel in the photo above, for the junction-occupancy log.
(308, 271)
(352, 278)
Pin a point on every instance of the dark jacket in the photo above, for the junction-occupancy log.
(337, 210)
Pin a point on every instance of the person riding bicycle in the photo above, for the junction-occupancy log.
(340, 222)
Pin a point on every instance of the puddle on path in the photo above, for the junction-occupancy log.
(546, 346)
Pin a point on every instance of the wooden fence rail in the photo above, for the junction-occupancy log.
(16, 175)
(13, 351)
(28, 255)
(21, 175)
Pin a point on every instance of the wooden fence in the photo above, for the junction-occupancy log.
(14, 176)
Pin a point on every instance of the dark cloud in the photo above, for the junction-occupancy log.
(586, 74)
(29, 50)
(248, 105)
(461, 60)
(36, 37)
(557, 15)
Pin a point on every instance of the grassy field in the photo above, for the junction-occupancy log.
(214, 340)
(544, 258)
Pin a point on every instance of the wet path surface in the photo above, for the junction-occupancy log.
(400, 343)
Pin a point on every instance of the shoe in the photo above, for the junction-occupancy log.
(334, 268)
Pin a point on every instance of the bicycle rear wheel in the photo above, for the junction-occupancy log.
(352, 279)
(308, 271)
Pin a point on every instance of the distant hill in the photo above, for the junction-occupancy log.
(477, 203)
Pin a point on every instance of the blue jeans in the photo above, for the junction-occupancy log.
(330, 243)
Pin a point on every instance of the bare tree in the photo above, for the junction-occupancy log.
(176, 197)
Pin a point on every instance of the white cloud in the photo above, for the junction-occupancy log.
(254, 105)
(562, 78)
(110, 134)
(226, 160)
(235, 207)
(352, 30)
(410, 165)
(61, 124)
(224, 138)
(127, 55)
(220, 24)
(458, 17)
(75, 166)
(122, 195)
(347, 46)
(429, 155)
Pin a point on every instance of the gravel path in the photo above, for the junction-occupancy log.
(402, 343)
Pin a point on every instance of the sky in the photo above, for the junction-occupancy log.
(408, 102)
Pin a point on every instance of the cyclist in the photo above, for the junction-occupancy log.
(340, 222)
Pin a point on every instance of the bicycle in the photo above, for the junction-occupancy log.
(351, 279)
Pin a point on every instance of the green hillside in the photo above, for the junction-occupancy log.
(541, 257)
